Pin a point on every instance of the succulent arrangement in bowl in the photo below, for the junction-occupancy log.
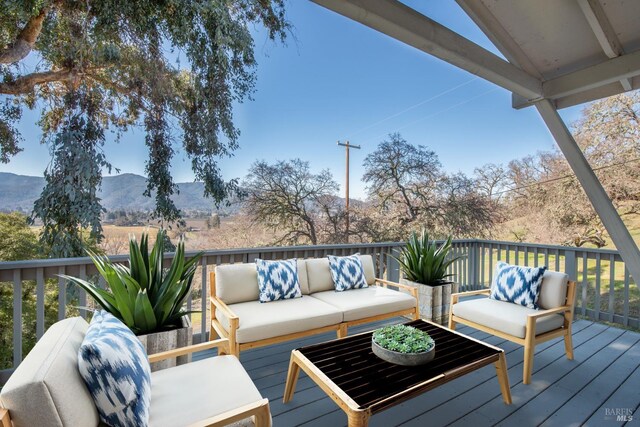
(403, 345)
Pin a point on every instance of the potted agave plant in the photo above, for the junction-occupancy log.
(424, 264)
(146, 296)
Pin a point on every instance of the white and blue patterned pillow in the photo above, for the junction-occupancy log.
(519, 285)
(116, 370)
(347, 272)
(278, 280)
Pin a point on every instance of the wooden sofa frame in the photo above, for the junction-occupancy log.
(340, 328)
(531, 339)
(258, 411)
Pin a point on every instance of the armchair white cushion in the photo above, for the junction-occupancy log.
(196, 391)
(47, 389)
(504, 317)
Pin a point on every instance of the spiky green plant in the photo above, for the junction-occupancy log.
(424, 261)
(146, 296)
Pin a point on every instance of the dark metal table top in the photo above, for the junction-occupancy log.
(376, 384)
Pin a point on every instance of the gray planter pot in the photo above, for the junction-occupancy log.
(404, 359)
(434, 301)
(169, 340)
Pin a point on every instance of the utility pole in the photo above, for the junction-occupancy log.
(347, 146)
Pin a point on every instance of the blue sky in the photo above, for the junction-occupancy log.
(336, 80)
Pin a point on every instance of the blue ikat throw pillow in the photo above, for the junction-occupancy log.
(278, 280)
(347, 272)
(114, 366)
(519, 285)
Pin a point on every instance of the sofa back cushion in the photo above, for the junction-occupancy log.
(46, 389)
(115, 368)
(369, 269)
(553, 290)
(319, 273)
(239, 282)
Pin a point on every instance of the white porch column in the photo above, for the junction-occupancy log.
(592, 186)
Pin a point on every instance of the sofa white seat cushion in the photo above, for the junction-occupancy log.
(504, 316)
(47, 389)
(195, 391)
(260, 321)
(356, 304)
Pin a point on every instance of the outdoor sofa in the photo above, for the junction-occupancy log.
(521, 325)
(237, 313)
(47, 389)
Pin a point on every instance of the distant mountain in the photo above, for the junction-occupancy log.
(18, 192)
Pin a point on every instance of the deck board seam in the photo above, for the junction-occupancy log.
(555, 342)
(566, 373)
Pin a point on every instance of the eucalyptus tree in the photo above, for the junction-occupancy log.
(172, 67)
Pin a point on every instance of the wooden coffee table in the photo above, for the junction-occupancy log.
(363, 384)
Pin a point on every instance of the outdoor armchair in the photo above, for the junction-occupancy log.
(47, 390)
(522, 325)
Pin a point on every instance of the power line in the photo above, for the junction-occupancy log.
(565, 177)
(466, 101)
(412, 107)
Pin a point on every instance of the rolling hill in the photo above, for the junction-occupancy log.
(18, 192)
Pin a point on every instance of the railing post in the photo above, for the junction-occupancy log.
(570, 267)
(393, 267)
(473, 266)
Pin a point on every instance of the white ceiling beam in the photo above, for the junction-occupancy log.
(601, 92)
(493, 29)
(604, 32)
(407, 25)
(500, 37)
(593, 77)
(622, 67)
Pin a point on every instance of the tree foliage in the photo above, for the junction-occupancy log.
(117, 64)
(546, 195)
(290, 199)
(18, 242)
(408, 191)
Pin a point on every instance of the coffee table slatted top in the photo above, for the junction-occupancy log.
(375, 384)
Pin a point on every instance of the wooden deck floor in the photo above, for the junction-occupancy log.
(603, 378)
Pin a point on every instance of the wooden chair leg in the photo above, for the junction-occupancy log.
(262, 418)
(568, 344)
(529, 350)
